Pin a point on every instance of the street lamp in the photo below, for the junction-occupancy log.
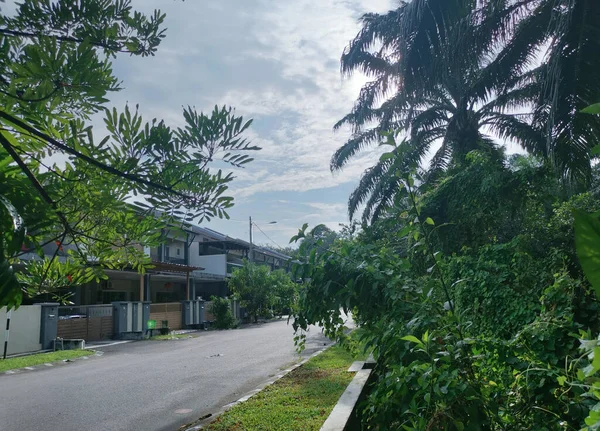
(251, 251)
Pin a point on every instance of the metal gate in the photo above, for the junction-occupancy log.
(88, 322)
(167, 312)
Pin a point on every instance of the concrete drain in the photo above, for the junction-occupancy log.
(183, 411)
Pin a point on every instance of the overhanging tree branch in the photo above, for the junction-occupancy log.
(17, 33)
(39, 99)
(40, 135)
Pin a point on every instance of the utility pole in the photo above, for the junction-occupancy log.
(250, 251)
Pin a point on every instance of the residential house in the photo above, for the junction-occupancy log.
(191, 263)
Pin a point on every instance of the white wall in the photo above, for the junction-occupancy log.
(174, 246)
(193, 251)
(213, 264)
(24, 329)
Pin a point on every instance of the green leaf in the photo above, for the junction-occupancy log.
(17, 221)
(596, 361)
(587, 242)
(593, 109)
(386, 156)
(430, 221)
(412, 339)
(561, 380)
(595, 150)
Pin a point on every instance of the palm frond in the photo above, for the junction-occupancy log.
(369, 181)
(353, 146)
(441, 159)
(520, 53)
(382, 199)
(375, 29)
(509, 127)
(572, 82)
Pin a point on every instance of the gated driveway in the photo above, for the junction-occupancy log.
(88, 322)
(150, 385)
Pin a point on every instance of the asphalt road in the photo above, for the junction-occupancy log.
(150, 385)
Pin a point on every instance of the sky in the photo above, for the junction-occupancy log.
(276, 62)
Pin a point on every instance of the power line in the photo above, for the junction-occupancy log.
(277, 245)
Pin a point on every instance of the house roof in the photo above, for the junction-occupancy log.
(221, 240)
(227, 244)
(273, 253)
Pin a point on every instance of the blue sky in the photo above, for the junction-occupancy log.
(278, 63)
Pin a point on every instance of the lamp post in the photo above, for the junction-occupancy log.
(251, 249)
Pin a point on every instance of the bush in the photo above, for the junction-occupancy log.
(499, 289)
(251, 284)
(221, 308)
(264, 292)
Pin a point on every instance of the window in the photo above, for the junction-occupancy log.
(178, 251)
(166, 251)
(203, 249)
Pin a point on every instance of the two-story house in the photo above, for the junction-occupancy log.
(191, 262)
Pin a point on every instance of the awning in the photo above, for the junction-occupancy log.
(174, 267)
(227, 244)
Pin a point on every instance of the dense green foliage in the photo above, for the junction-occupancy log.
(63, 188)
(286, 293)
(221, 309)
(264, 292)
(468, 274)
(481, 338)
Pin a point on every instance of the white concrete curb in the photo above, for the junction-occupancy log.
(341, 413)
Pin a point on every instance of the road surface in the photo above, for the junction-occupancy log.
(150, 385)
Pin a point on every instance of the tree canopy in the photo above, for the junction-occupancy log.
(64, 187)
(262, 291)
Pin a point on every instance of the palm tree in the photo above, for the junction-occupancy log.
(446, 70)
(566, 35)
(429, 70)
(380, 186)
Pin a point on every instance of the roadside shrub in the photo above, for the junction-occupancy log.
(499, 288)
(251, 284)
(221, 308)
(264, 293)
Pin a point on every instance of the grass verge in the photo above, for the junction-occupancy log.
(170, 337)
(41, 358)
(302, 400)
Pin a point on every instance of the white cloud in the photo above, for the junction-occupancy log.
(276, 62)
(306, 39)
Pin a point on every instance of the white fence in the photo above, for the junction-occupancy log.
(24, 329)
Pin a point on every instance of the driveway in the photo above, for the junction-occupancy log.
(150, 385)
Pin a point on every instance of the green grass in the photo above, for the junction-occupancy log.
(41, 358)
(170, 337)
(302, 400)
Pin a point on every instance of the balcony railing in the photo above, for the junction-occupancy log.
(177, 260)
